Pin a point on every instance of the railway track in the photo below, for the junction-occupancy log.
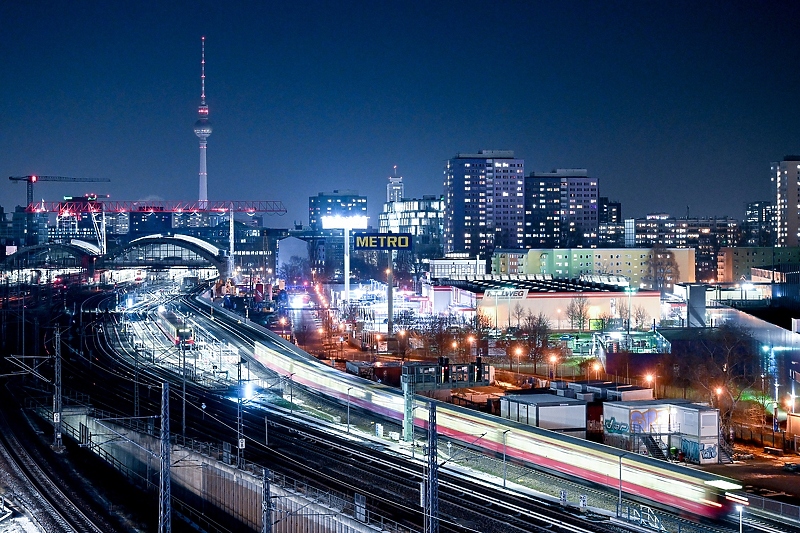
(53, 509)
(403, 481)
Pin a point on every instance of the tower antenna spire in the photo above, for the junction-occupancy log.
(203, 70)
(202, 128)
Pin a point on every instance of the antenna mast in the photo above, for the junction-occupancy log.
(202, 128)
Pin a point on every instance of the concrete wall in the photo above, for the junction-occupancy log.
(199, 475)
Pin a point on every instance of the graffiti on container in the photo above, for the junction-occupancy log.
(642, 420)
(695, 451)
(612, 426)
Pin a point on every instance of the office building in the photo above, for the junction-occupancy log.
(394, 189)
(421, 218)
(342, 203)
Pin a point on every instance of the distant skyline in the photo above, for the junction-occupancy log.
(668, 104)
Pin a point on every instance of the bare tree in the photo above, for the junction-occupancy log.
(662, 269)
(722, 363)
(640, 317)
(578, 311)
(518, 312)
(605, 320)
(624, 311)
(537, 337)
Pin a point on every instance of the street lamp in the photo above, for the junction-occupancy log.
(629, 291)
(504, 457)
(553, 360)
(596, 367)
(348, 408)
(652, 379)
(345, 224)
(518, 351)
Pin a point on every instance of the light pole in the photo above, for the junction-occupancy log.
(596, 367)
(629, 291)
(504, 457)
(348, 408)
(740, 508)
(619, 505)
(518, 351)
(553, 360)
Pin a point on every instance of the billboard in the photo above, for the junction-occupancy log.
(382, 241)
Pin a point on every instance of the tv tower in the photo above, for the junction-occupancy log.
(202, 128)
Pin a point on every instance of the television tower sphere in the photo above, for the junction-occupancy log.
(202, 128)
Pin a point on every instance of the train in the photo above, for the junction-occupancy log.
(693, 493)
(175, 328)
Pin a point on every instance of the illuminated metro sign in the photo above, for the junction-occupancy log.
(382, 241)
(506, 294)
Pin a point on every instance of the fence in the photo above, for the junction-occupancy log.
(762, 436)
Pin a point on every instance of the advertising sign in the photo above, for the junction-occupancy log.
(505, 294)
(382, 241)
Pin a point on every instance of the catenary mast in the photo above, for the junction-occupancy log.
(202, 128)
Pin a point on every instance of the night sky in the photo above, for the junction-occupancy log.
(669, 104)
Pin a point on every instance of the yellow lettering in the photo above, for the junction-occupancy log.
(402, 242)
(391, 241)
(362, 241)
(373, 242)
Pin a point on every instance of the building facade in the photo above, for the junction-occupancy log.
(561, 209)
(735, 264)
(610, 225)
(483, 195)
(705, 235)
(785, 176)
(757, 227)
(576, 263)
(424, 219)
(342, 203)
(394, 189)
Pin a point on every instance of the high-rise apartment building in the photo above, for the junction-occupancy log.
(561, 209)
(785, 176)
(705, 235)
(343, 203)
(610, 226)
(757, 227)
(484, 196)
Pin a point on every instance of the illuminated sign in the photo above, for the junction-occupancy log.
(382, 241)
(506, 294)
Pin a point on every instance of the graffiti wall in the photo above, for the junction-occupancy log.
(702, 452)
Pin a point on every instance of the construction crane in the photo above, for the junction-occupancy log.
(30, 180)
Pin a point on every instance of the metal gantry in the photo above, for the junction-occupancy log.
(432, 490)
(266, 498)
(57, 444)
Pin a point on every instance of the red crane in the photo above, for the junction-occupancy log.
(30, 180)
